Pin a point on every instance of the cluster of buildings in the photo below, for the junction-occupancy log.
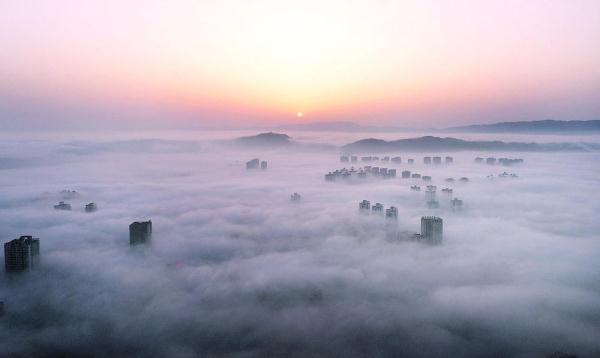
(89, 208)
(501, 161)
(365, 207)
(23, 253)
(503, 175)
(431, 226)
(386, 159)
(72, 194)
(361, 173)
(433, 203)
(407, 174)
(437, 160)
(295, 197)
(256, 163)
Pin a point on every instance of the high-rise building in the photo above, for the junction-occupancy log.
(449, 160)
(432, 203)
(456, 204)
(415, 175)
(437, 160)
(91, 207)
(427, 160)
(479, 160)
(411, 161)
(432, 229)
(364, 205)
(344, 158)
(354, 159)
(391, 212)
(140, 232)
(263, 165)
(21, 254)
(252, 164)
(490, 161)
(426, 178)
(377, 208)
(391, 173)
(295, 197)
(405, 174)
(397, 160)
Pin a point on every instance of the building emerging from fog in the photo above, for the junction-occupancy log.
(295, 197)
(456, 204)
(252, 164)
(140, 232)
(377, 208)
(431, 229)
(364, 205)
(21, 254)
(91, 207)
(62, 206)
(263, 165)
(391, 212)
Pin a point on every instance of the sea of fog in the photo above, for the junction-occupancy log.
(237, 269)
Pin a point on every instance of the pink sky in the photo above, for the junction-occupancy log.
(213, 63)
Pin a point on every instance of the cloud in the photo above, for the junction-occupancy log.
(236, 269)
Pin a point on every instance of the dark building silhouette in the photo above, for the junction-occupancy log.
(62, 206)
(432, 229)
(252, 164)
(91, 207)
(21, 254)
(140, 232)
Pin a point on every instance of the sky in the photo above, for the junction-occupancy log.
(237, 269)
(167, 64)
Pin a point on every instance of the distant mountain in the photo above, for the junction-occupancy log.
(545, 126)
(269, 139)
(435, 144)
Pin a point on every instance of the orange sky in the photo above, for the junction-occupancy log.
(412, 63)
